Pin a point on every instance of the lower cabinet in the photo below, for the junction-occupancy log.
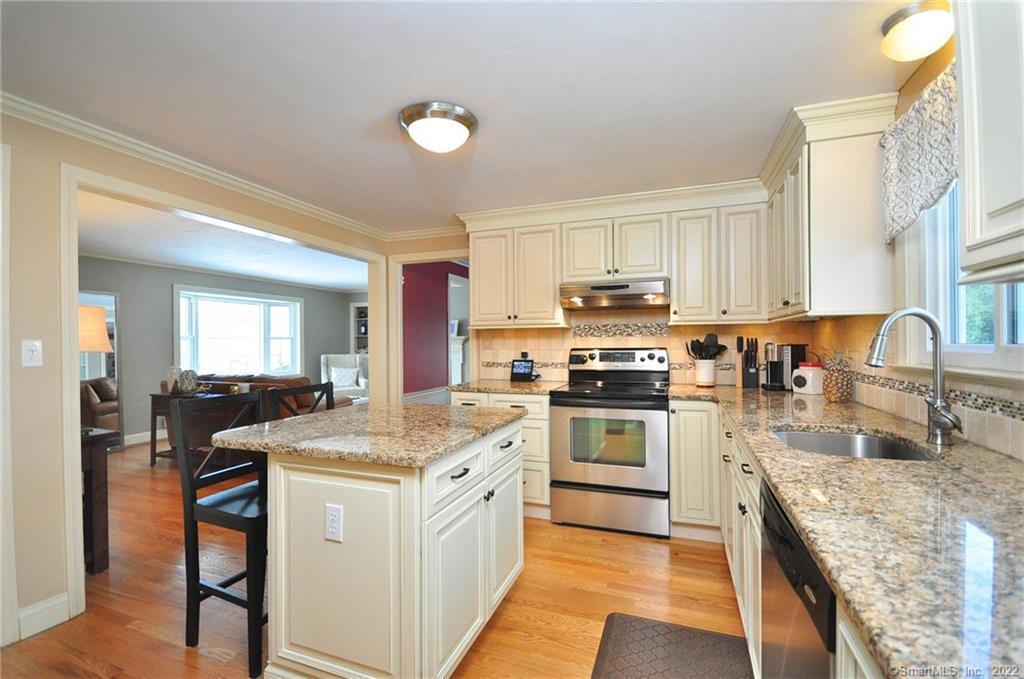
(473, 553)
(725, 464)
(693, 439)
(853, 660)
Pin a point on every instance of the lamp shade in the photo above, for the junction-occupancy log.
(92, 330)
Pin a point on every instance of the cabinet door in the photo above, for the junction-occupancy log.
(693, 433)
(694, 284)
(752, 588)
(537, 266)
(505, 531)
(990, 63)
(491, 292)
(853, 660)
(641, 247)
(742, 262)
(455, 581)
(739, 542)
(587, 251)
(794, 299)
(537, 483)
(774, 262)
(725, 486)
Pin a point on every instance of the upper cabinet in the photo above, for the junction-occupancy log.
(787, 226)
(694, 295)
(587, 251)
(615, 249)
(990, 77)
(742, 262)
(514, 277)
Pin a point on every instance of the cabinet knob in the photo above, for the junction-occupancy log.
(785, 302)
(616, 271)
(608, 270)
(515, 315)
(509, 317)
(673, 411)
(675, 312)
(742, 507)
(724, 312)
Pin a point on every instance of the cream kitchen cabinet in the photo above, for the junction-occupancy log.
(853, 660)
(990, 79)
(694, 237)
(517, 277)
(787, 224)
(625, 248)
(536, 437)
(693, 436)
(725, 465)
(742, 257)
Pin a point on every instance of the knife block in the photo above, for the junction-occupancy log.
(751, 378)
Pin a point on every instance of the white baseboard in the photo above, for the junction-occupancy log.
(690, 532)
(537, 511)
(143, 437)
(437, 395)
(43, 615)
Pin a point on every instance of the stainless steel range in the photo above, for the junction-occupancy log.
(609, 441)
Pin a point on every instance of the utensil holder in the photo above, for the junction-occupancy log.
(704, 372)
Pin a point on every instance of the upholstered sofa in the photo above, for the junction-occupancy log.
(99, 403)
(333, 367)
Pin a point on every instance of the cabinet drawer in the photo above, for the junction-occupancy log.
(503, 446)
(536, 441)
(468, 399)
(448, 478)
(536, 406)
(746, 466)
(536, 483)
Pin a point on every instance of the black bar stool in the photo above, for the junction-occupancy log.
(242, 508)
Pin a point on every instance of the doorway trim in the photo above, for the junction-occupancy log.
(9, 625)
(395, 344)
(74, 179)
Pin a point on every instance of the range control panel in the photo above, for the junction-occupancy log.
(618, 359)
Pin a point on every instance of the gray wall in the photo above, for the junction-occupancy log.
(144, 318)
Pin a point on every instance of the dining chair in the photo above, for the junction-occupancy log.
(288, 402)
(241, 507)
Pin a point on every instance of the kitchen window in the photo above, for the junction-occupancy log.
(983, 323)
(220, 331)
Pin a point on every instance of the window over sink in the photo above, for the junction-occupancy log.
(983, 323)
(223, 331)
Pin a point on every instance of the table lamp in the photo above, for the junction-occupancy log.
(92, 334)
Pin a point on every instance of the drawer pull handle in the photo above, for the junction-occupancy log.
(513, 405)
(746, 468)
(726, 458)
(456, 477)
(467, 403)
(728, 434)
(742, 507)
(507, 445)
(488, 495)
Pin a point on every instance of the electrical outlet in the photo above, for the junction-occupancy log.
(334, 519)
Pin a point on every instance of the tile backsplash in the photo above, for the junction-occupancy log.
(993, 416)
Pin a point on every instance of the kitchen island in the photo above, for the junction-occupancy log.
(394, 533)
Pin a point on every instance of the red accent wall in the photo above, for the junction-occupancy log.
(425, 324)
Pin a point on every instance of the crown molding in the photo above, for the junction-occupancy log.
(828, 120)
(75, 127)
(602, 207)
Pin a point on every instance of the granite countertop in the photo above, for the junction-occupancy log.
(402, 435)
(538, 388)
(926, 557)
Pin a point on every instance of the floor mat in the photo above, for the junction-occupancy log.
(638, 647)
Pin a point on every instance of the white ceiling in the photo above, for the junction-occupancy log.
(116, 229)
(574, 100)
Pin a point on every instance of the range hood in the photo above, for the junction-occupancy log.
(642, 294)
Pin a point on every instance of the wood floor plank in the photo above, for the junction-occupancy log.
(549, 625)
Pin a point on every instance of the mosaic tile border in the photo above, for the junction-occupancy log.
(536, 364)
(967, 399)
(620, 330)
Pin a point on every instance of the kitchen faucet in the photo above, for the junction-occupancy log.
(941, 420)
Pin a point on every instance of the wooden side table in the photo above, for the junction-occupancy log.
(160, 406)
(95, 445)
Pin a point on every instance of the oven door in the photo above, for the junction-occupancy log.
(618, 447)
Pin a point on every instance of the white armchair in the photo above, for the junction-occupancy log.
(337, 368)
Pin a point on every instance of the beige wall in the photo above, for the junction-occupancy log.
(36, 156)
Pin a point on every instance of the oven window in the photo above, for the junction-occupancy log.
(601, 440)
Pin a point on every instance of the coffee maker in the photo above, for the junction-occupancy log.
(780, 361)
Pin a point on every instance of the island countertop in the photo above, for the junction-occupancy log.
(401, 435)
(926, 557)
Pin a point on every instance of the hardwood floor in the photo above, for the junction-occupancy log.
(548, 626)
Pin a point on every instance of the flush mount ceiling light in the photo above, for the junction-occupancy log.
(437, 126)
(917, 30)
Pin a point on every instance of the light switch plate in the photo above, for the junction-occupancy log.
(31, 353)
(334, 522)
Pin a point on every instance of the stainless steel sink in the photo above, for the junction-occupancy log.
(852, 445)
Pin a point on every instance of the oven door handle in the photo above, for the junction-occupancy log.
(605, 404)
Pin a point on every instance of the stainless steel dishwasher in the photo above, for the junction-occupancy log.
(798, 608)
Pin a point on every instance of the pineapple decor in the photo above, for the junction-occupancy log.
(837, 384)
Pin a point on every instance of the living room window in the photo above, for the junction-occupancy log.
(983, 322)
(221, 331)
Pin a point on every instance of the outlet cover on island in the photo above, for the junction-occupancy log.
(334, 520)
(31, 353)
